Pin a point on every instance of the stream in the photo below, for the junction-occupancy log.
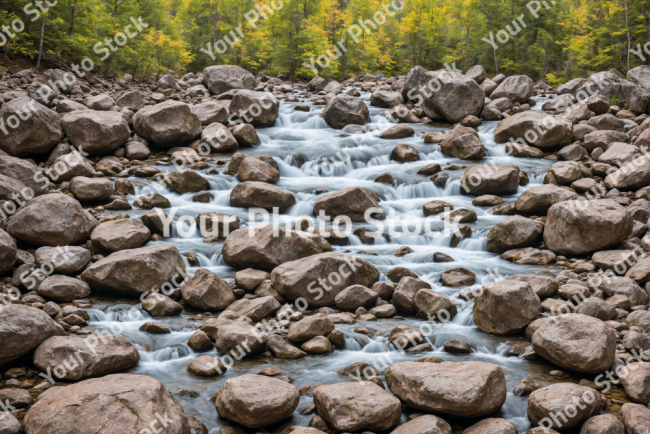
(304, 137)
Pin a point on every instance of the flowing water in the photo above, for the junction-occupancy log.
(312, 155)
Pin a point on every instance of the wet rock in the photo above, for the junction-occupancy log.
(506, 307)
(206, 366)
(293, 280)
(52, 220)
(126, 403)
(514, 233)
(256, 309)
(637, 383)
(517, 88)
(633, 175)
(492, 426)
(436, 207)
(200, 342)
(580, 227)
(452, 96)
(283, 349)
(186, 181)
(63, 289)
(249, 279)
(576, 342)
(38, 134)
(404, 294)
(219, 138)
(263, 250)
(91, 189)
(430, 304)
(354, 297)
(120, 234)
(457, 346)
(18, 398)
(458, 277)
(386, 99)
(345, 110)
(154, 328)
(555, 399)
(167, 123)
(261, 195)
(161, 305)
(252, 169)
(109, 354)
(310, 327)
(256, 400)
(210, 112)
(318, 345)
(96, 132)
(240, 339)
(134, 272)
(404, 153)
(497, 180)
(558, 130)
(542, 285)
(466, 147)
(222, 78)
(207, 291)
(258, 108)
(537, 200)
(636, 418)
(357, 406)
(459, 389)
(353, 202)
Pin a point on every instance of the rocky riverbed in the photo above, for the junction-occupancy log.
(488, 274)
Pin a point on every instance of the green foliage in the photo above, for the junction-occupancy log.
(569, 39)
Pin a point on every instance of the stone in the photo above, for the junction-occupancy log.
(52, 220)
(637, 383)
(261, 195)
(207, 291)
(543, 286)
(8, 252)
(219, 138)
(256, 400)
(136, 271)
(514, 233)
(458, 277)
(581, 227)
(465, 389)
(96, 132)
(632, 176)
(186, 181)
(111, 353)
(131, 100)
(222, 78)
(517, 88)
(252, 169)
(207, 366)
(354, 297)
(492, 426)
(353, 202)
(506, 307)
(258, 108)
(636, 418)
(38, 134)
(451, 96)
(538, 199)
(63, 289)
(125, 402)
(91, 189)
(576, 342)
(343, 110)
(558, 130)
(386, 99)
(122, 234)
(161, 305)
(556, 398)
(167, 124)
(497, 180)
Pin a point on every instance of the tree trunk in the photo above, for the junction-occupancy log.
(40, 44)
(627, 28)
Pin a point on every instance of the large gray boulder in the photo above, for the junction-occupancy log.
(222, 78)
(465, 389)
(300, 278)
(207, 291)
(636, 418)
(581, 227)
(612, 84)
(259, 248)
(63, 289)
(24, 171)
(514, 233)
(353, 202)
(536, 128)
(538, 199)
(633, 175)
(23, 328)
(497, 180)
(106, 355)
(506, 307)
(167, 124)
(254, 194)
(257, 108)
(122, 234)
(576, 342)
(517, 88)
(210, 112)
(256, 400)
(574, 403)
(63, 260)
(134, 272)
(131, 100)
(125, 403)
(357, 406)
(412, 82)
(52, 220)
(345, 110)
(452, 96)
(37, 128)
(8, 252)
(96, 132)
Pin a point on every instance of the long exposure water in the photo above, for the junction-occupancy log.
(301, 143)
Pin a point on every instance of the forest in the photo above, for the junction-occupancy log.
(553, 40)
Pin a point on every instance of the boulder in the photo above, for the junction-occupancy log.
(63, 289)
(404, 153)
(357, 406)
(283, 349)
(333, 87)
(160, 305)
(63, 260)
(612, 84)
(576, 342)
(219, 138)
(458, 277)
(186, 181)
(430, 304)
(37, 134)
(122, 234)
(210, 112)
(8, 252)
(52, 220)
(603, 424)
(91, 189)
(96, 132)
(465, 147)
(300, 278)
(100, 102)
(536, 128)
(404, 293)
(137, 271)
(167, 124)
(106, 355)
(316, 84)
(476, 73)
(207, 291)
(258, 247)
(465, 389)
(453, 96)
(131, 100)
(345, 110)
(602, 139)
(125, 403)
(354, 297)
(412, 80)
(353, 202)
(497, 180)
(615, 285)
(256, 400)
(538, 199)
(582, 402)
(637, 382)
(25, 172)
(632, 176)
(256, 309)
(506, 307)
(493, 426)
(261, 195)
(514, 233)
(206, 366)
(636, 418)
(239, 339)
(597, 308)
(517, 88)
(386, 99)
(581, 227)
(41, 93)
(310, 327)
(252, 169)
(258, 108)
(222, 78)
(245, 135)
(23, 328)
(542, 285)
